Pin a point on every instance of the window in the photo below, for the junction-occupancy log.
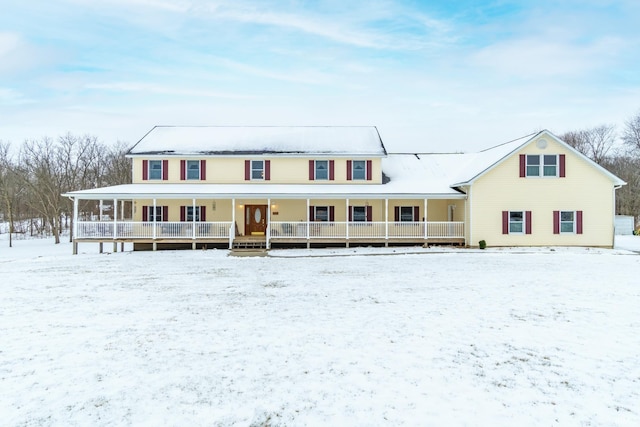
(516, 222)
(359, 214)
(257, 169)
(321, 213)
(155, 169)
(193, 169)
(158, 214)
(321, 169)
(544, 165)
(359, 170)
(189, 213)
(567, 222)
(406, 214)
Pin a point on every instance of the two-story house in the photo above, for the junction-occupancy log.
(309, 186)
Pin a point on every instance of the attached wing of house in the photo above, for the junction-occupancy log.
(307, 186)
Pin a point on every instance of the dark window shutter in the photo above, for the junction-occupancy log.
(203, 170)
(183, 168)
(416, 213)
(267, 170)
(369, 213)
(165, 213)
(349, 162)
(579, 222)
(350, 213)
(527, 219)
(183, 213)
(145, 170)
(523, 165)
(396, 213)
(556, 222)
(312, 217)
(165, 170)
(331, 170)
(145, 213)
(247, 170)
(332, 213)
(563, 168)
(369, 170)
(312, 170)
(203, 213)
(505, 222)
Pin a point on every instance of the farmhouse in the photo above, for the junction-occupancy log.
(264, 187)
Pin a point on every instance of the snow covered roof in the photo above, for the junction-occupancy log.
(242, 140)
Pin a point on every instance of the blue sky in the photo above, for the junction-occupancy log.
(432, 75)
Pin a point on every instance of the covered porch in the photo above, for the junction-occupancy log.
(162, 221)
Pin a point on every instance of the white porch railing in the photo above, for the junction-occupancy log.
(358, 230)
(278, 230)
(149, 230)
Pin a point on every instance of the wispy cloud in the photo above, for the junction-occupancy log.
(162, 90)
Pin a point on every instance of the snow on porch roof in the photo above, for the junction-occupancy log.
(230, 140)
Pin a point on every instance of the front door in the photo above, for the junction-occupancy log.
(255, 220)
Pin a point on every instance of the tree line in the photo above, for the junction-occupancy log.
(33, 179)
(617, 151)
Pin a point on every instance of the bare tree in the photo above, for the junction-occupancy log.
(631, 133)
(595, 143)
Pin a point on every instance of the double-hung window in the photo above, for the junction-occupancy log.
(155, 169)
(406, 214)
(190, 212)
(358, 213)
(567, 222)
(359, 170)
(321, 213)
(321, 170)
(155, 214)
(193, 169)
(257, 169)
(516, 222)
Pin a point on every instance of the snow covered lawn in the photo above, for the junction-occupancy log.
(350, 337)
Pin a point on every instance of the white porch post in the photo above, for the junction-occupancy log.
(155, 245)
(268, 231)
(100, 217)
(193, 217)
(308, 218)
(426, 234)
(232, 229)
(346, 202)
(115, 225)
(75, 226)
(386, 220)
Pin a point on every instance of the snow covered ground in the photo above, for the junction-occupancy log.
(356, 337)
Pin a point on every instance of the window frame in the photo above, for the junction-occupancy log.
(542, 165)
(326, 170)
(188, 217)
(411, 210)
(316, 209)
(522, 222)
(353, 214)
(188, 163)
(158, 215)
(252, 170)
(152, 170)
(573, 222)
(353, 170)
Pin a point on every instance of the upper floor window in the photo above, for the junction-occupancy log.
(155, 169)
(322, 169)
(193, 169)
(549, 165)
(257, 170)
(359, 170)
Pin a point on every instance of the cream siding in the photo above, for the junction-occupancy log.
(501, 189)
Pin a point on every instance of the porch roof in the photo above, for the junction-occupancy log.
(259, 191)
